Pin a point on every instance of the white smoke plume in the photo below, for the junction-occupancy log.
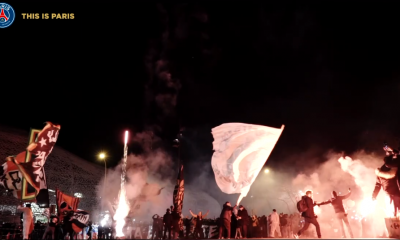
(338, 174)
(147, 175)
(279, 189)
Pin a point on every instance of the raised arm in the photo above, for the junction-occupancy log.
(194, 215)
(324, 202)
(205, 215)
(347, 195)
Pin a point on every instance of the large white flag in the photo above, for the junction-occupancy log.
(240, 152)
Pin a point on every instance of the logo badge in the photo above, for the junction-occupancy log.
(7, 15)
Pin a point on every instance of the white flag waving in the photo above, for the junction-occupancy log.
(240, 152)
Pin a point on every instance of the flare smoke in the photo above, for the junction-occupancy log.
(150, 181)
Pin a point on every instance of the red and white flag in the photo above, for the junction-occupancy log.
(33, 170)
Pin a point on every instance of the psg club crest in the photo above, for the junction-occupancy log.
(7, 15)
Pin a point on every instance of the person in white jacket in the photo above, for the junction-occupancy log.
(274, 225)
(27, 220)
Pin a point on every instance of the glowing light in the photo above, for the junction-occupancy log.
(105, 219)
(350, 203)
(126, 137)
(367, 206)
(388, 209)
(317, 210)
(121, 213)
(123, 205)
(102, 155)
(78, 195)
(266, 170)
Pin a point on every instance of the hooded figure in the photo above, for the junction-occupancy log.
(28, 220)
(341, 216)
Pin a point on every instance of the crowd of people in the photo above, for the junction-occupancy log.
(52, 229)
(231, 223)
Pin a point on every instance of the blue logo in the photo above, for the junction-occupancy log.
(7, 15)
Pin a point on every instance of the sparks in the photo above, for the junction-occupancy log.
(367, 206)
(123, 206)
(126, 137)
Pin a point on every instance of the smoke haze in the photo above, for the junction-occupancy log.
(150, 183)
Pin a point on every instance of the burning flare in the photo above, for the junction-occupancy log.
(105, 220)
(121, 213)
(123, 206)
(367, 206)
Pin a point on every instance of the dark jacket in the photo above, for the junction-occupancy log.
(156, 220)
(51, 223)
(391, 162)
(227, 212)
(175, 218)
(167, 219)
(389, 186)
(244, 221)
(337, 202)
(310, 208)
(283, 220)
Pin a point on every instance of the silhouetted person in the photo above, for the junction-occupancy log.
(175, 228)
(225, 219)
(387, 181)
(167, 220)
(67, 226)
(89, 232)
(198, 230)
(341, 215)
(51, 228)
(283, 219)
(187, 226)
(309, 215)
(101, 232)
(243, 220)
(156, 226)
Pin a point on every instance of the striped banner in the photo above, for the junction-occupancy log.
(28, 193)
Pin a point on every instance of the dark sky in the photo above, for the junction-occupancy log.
(328, 70)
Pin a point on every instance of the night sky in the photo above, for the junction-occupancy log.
(327, 70)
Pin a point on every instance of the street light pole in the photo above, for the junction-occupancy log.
(105, 172)
(102, 156)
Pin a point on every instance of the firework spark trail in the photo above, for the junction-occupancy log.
(123, 206)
